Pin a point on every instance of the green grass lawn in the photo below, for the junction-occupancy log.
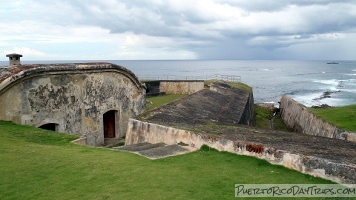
(239, 85)
(343, 117)
(263, 115)
(160, 100)
(40, 164)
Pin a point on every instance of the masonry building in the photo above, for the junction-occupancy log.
(91, 100)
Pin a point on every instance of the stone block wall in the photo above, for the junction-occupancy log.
(174, 86)
(139, 131)
(247, 114)
(181, 87)
(74, 97)
(297, 117)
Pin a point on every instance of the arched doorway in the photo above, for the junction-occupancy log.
(49, 126)
(109, 122)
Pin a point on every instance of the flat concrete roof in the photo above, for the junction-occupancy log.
(190, 80)
(12, 74)
(13, 55)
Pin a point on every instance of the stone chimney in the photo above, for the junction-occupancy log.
(14, 59)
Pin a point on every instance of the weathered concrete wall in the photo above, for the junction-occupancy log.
(152, 87)
(181, 87)
(222, 104)
(297, 117)
(74, 97)
(139, 132)
(247, 116)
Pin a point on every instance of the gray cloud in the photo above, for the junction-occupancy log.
(210, 28)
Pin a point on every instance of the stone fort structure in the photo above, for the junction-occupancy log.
(91, 100)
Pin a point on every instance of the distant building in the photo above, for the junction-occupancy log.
(91, 100)
(14, 59)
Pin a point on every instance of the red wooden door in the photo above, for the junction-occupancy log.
(109, 124)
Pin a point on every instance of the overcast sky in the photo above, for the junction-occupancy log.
(178, 29)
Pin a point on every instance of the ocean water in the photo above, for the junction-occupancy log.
(309, 82)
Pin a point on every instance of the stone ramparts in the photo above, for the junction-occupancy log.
(174, 86)
(91, 100)
(139, 132)
(297, 117)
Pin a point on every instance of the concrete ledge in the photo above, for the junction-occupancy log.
(139, 132)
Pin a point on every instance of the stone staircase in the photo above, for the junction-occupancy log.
(110, 142)
(155, 151)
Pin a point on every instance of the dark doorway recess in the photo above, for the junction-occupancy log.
(50, 126)
(109, 124)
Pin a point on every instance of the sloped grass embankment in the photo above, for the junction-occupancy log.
(154, 102)
(343, 117)
(40, 164)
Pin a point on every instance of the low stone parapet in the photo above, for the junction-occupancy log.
(297, 117)
(174, 86)
(139, 132)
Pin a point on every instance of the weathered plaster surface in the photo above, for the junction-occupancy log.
(297, 117)
(139, 132)
(174, 86)
(181, 87)
(74, 96)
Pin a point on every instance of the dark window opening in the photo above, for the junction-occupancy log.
(10, 58)
(17, 58)
(152, 87)
(50, 126)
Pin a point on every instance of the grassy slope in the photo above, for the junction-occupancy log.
(239, 85)
(160, 100)
(40, 164)
(343, 117)
(263, 115)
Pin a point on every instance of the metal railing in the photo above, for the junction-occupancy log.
(229, 78)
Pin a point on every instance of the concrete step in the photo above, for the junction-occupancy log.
(109, 142)
(163, 151)
(155, 151)
(139, 147)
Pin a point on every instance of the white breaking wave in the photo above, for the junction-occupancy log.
(327, 82)
(314, 100)
(332, 85)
